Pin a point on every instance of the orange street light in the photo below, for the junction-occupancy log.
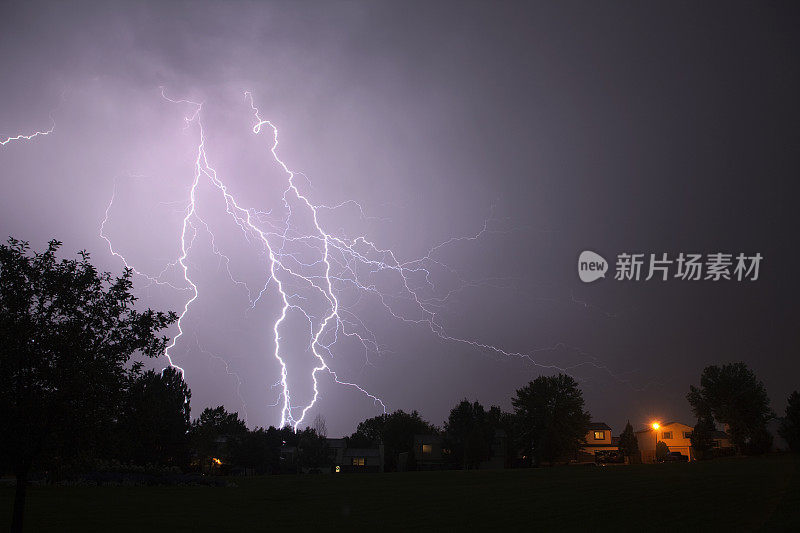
(656, 425)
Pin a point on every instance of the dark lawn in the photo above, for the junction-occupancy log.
(739, 494)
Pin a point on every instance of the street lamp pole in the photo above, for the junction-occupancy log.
(656, 425)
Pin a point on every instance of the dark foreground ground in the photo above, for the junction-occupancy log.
(737, 494)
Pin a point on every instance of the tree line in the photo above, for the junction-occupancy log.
(72, 398)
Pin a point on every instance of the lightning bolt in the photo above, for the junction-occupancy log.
(345, 262)
(339, 263)
(30, 136)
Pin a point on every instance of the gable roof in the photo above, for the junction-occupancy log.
(599, 426)
(362, 452)
(664, 425)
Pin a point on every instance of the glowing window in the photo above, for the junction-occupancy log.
(338, 469)
(666, 435)
(599, 435)
(358, 461)
(426, 449)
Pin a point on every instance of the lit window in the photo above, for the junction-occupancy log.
(666, 435)
(358, 461)
(426, 449)
(338, 469)
(599, 435)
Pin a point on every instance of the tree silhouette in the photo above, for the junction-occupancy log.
(703, 437)
(551, 423)
(468, 434)
(66, 334)
(313, 453)
(259, 450)
(733, 396)
(504, 422)
(320, 426)
(215, 435)
(790, 425)
(154, 419)
(662, 450)
(396, 431)
(628, 443)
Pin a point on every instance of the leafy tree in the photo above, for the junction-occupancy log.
(259, 450)
(66, 334)
(703, 437)
(154, 420)
(551, 422)
(662, 450)
(502, 421)
(759, 443)
(288, 436)
(628, 443)
(215, 434)
(790, 425)
(733, 396)
(396, 431)
(468, 434)
(312, 450)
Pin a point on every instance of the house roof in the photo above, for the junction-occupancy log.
(599, 426)
(427, 439)
(362, 452)
(664, 425)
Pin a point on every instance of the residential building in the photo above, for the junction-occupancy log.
(428, 452)
(362, 460)
(598, 438)
(722, 440)
(499, 452)
(599, 442)
(675, 435)
(346, 459)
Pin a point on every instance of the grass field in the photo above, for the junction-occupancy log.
(737, 494)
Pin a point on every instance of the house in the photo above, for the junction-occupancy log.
(346, 459)
(722, 440)
(675, 435)
(678, 438)
(337, 448)
(428, 452)
(499, 452)
(362, 460)
(288, 458)
(598, 438)
(599, 442)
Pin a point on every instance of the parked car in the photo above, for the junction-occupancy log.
(675, 457)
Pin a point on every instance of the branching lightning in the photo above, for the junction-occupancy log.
(307, 266)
